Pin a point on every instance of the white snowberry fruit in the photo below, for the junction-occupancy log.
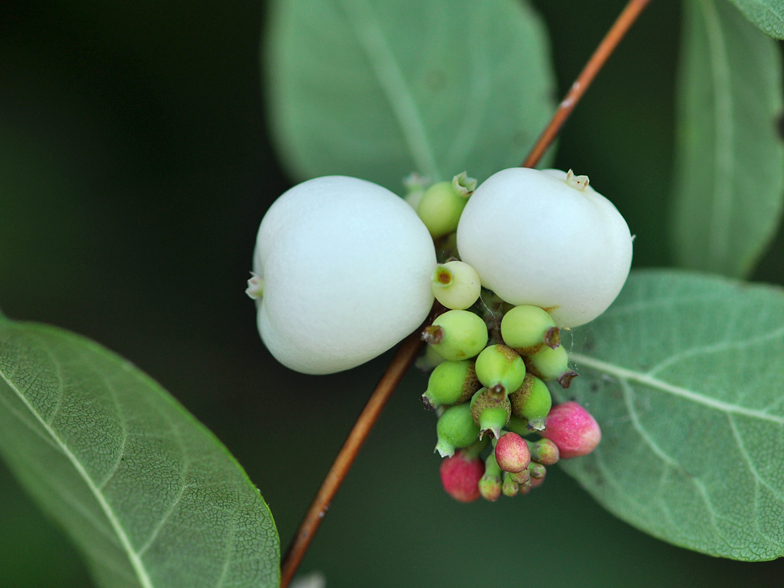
(342, 272)
(548, 239)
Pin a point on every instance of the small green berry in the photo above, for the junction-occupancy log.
(456, 285)
(532, 401)
(443, 203)
(490, 484)
(551, 364)
(452, 382)
(527, 328)
(501, 368)
(536, 470)
(456, 429)
(490, 410)
(544, 452)
(509, 488)
(457, 334)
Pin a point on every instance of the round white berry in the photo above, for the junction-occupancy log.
(342, 273)
(548, 239)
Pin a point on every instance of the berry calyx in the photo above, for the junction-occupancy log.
(536, 238)
(490, 410)
(532, 402)
(460, 475)
(457, 334)
(572, 429)
(512, 453)
(456, 285)
(455, 429)
(501, 368)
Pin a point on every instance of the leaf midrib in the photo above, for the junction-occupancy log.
(382, 61)
(724, 162)
(657, 384)
(136, 563)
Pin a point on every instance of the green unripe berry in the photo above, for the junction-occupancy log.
(491, 411)
(452, 382)
(521, 478)
(544, 451)
(551, 364)
(456, 285)
(457, 334)
(536, 470)
(527, 328)
(490, 484)
(509, 488)
(456, 428)
(501, 368)
(443, 203)
(532, 401)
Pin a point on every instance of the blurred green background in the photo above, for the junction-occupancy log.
(135, 166)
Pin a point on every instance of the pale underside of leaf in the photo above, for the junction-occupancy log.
(729, 189)
(149, 496)
(684, 375)
(378, 90)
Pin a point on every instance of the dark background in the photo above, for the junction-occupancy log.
(135, 166)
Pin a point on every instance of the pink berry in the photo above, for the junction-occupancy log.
(512, 453)
(460, 476)
(572, 429)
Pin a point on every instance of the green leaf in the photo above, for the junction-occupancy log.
(767, 15)
(378, 89)
(685, 375)
(729, 187)
(147, 493)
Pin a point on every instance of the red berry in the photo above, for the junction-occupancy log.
(460, 476)
(512, 453)
(572, 429)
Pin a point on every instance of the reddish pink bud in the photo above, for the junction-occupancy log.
(512, 453)
(460, 476)
(572, 429)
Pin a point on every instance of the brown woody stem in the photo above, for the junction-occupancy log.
(580, 85)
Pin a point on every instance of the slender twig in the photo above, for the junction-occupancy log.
(411, 347)
(400, 363)
(580, 85)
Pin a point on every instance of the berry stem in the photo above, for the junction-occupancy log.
(411, 347)
(622, 24)
(400, 363)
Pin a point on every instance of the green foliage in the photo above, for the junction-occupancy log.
(684, 374)
(768, 15)
(729, 188)
(144, 490)
(378, 89)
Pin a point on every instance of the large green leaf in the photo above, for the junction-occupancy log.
(144, 490)
(729, 188)
(379, 89)
(768, 15)
(685, 375)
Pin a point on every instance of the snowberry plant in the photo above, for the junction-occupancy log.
(415, 224)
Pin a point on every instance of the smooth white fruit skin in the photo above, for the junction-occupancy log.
(536, 240)
(346, 266)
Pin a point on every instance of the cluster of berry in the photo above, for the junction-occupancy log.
(345, 269)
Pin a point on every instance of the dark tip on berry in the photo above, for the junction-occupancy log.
(427, 403)
(566, 379)
(552, 337)
(433, 335)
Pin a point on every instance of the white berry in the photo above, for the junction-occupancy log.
(548, 239)
(343, 268)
